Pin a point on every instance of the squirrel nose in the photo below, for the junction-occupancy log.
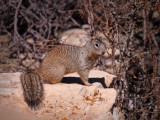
(103, 53)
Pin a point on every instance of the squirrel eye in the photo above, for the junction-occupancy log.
(97, 45)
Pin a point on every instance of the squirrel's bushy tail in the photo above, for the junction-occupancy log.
(32, 88)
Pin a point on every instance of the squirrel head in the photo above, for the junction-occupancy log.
(97, 47)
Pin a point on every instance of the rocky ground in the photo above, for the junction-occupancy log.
(64, 101)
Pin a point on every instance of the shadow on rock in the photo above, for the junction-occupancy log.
(70, 80)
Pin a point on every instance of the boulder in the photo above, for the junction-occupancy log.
(62, 101)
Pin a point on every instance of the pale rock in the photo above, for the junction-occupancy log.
(78, 37)
(97, 84)
(30, 55)
(30, 41)
(117, 114)
(22, 56)
(35, 65)
(61, 101)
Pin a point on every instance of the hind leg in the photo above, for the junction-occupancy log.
(52, 75)
(57, 74)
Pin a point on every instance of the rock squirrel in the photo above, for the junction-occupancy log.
(61, 60)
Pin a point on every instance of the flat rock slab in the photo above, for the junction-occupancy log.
(61, 101)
